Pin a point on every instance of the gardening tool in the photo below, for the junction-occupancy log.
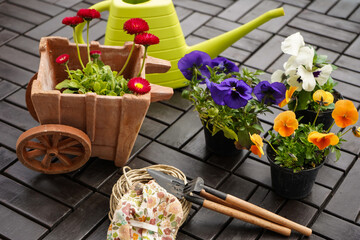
(177, 187)
(164, 23)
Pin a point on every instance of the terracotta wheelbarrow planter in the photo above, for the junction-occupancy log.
(75, 127)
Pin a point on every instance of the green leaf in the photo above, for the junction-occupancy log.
(228, 133)
(69, 91)
(63, 84)
(74, 84)
(303, 98)
(97, 86)
(258, 127)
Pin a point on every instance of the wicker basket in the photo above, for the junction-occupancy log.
(131, 176)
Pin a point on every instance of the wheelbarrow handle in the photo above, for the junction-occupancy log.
(246, 217)
(238, 203)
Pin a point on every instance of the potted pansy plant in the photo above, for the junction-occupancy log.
(297, 151)
(304, 73)
(98, 92)
(228, 101)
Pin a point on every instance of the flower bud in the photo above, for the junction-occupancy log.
(356, 131)
(213, 112)
(185, 94)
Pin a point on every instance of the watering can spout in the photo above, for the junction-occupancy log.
(218, 44)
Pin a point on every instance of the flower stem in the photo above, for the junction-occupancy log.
(128, 59)
(87, 39)
(296, 104)
(143, 63)
(317, 114)
(330, 127)
(345, 132)
(68, 70)
(271, 146)
(77, 47)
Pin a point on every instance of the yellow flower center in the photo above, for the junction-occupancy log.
(139, 85)
(233, 89)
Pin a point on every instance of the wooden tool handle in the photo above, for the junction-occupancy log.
(261, 212)
(246, 217)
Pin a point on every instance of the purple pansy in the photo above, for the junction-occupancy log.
(231, 92)
(224, 65)
(195, 59)
(270, 93)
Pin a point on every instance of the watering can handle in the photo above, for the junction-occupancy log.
(101, 6)
(156, 65)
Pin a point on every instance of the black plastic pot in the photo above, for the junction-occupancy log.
(288, 184)
(324, 117)
(219, 144)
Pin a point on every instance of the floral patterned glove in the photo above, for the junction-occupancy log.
(147, 212)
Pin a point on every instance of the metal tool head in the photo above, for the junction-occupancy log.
(171, 184)
(194, 186)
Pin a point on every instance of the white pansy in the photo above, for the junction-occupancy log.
(291, 65)
(307, 77)
(277, 76)
(293, 81)
(292, 44)
(324, 75)
(305, 57)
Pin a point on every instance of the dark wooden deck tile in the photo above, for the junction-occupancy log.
(328, 176)
(192, 168)
(183, 236)
(349, 63)
(335, 228)
(48, 27)
(31, 203)
(269, 117)
(318, 195)
(316, 40)
(343, 163)
(7, 88)
(140, 143)
(196, 146)
(14, 24)
(330, 21)
(19, 58)
(40, 6)
(18, 98)
(179, 102)
(182, 130)
(6, 36)
(255, 171)
(58, 187)
(193, 21)
(353, 49)
(206, 224)
(297, 212)
(229, 162)
(14, 74)
(323, 30)
(226, 25)
(266, 55)
(6, 158)
(321, 6)
(87, 216)
(100, 231)
(238, 9)
(9, 134)
(355, 16)
(23, 13)
(16, 226)
(107, 186)
(151, 128)
(138, 163)
(349, 91)
(343, 8)
(348, 190)
(198, 6)
(26, 44)
(238, 187)
(16, 116)
(163, 113)
(97, 172)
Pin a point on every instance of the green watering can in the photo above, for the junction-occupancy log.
(164, 23)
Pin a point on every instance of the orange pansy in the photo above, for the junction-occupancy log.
(288, 96)
(323, 98)
(257, 148)
(323, 140)
(345, 113)
(286, 123)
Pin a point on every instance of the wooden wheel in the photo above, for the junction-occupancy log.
(29, 103)
(53, 148)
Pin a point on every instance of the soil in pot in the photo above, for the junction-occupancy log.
(324, 117)
(219, 144)
(288, 184)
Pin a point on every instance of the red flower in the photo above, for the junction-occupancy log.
(95, 53)
(88, 14)
(136, 26)
(63, 59)
(139, 85)
(72, 21)
(146, 39)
